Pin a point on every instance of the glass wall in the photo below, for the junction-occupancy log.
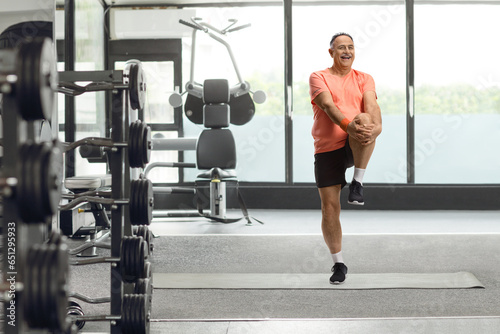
(258, 51)
(457, 82)
(379, 38)
(90, 109)
(457, 94)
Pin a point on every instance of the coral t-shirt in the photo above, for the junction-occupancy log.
(347, 94)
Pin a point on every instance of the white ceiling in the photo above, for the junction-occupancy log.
(201, 2)
(169, 2)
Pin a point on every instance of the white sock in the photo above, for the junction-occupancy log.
(337, 257)
(358, 174)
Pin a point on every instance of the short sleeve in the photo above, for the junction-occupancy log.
(316, 85)
(369, 84)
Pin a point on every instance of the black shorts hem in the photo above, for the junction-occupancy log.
(330, 167)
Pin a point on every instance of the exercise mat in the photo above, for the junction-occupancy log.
(297, 281)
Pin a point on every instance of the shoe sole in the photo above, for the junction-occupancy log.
(336, 283)
(356, 203)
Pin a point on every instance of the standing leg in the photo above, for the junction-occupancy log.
(332, 230)
(330, 217)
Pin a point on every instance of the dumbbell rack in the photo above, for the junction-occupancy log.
(120, 317)
(35, 266)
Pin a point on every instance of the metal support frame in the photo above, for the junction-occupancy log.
(287, 6)
(116, 162)
(69, 65)
(410, 94)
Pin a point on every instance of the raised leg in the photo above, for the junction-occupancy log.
(361, 152)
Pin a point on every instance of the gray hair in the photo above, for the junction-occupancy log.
(340, 34)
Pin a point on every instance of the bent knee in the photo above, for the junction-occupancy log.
(364, 118)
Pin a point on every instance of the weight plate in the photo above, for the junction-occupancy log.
(139, 230)
(41, 295)
(37, 78)
(123, 265)
(133, 202)
(143, 198)
(52, 170)
(38, 186)
(35, 316)
(133, 86)
(137, 86)
(146, 145)
(132, 137)
(58, 286)
(141, 257)
(131, 258)
(147, 235)
(135, 314)
(29, 283)
(48, 286)
(126, 320)
(25, 182)
(139, 144)
(129, 254)
(147, 271)
(141, 202)
(143, 286)
(39, 190)
(149, 201)
(135, 258)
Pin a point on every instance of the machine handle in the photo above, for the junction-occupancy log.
(189, 24)
(239, 27)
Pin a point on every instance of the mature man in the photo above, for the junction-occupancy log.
(347, 121)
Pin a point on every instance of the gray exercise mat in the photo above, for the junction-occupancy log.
(459, 280)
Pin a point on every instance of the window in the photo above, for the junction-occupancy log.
(457, 89)
(89, 107)
(258, 51)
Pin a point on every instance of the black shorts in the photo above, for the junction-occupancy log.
(330, 167)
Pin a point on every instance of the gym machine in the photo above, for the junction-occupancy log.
(216, 105)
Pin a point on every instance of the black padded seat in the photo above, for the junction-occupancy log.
(216, 148)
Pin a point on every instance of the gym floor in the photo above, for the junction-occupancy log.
(375, 241)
